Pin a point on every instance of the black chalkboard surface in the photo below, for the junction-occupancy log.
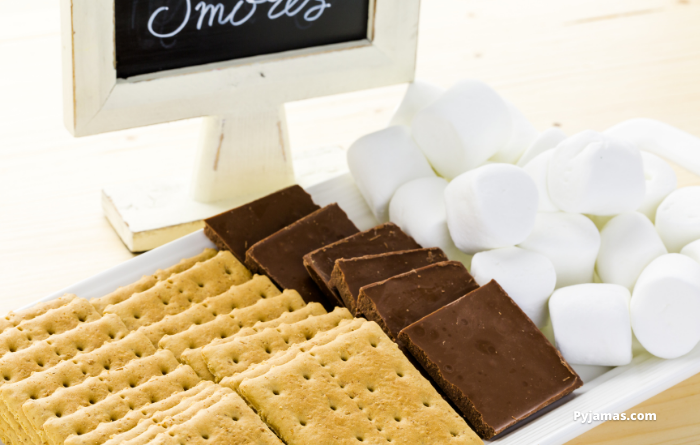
(157, 35)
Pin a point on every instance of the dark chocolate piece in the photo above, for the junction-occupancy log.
(281, 256)
(490, 359)
(382, 239)
(401, 300)
(349, 275)
(238, 229)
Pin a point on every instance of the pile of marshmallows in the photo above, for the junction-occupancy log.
(585, 230)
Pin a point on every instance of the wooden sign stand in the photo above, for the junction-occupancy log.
(244, 150)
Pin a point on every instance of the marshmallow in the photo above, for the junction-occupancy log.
(678, 218)
(547, 140)
(661, 181)
(528, 278)
(537, 169)
(692, 250)
(592, 173)
(418, 96)
(463, 128)
(490, 207)
(592, 324)
(628, 243)
(522, 135)
(665, 306)
(571, 242)
(418, 207)
(382, 162)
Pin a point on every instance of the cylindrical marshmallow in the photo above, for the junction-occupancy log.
(490, 207)
(692, 250)
(522, 135)
(419, 95)
(678, 218)
(418, 207)
(463, 128)
(528, 278)
(661, 181)
(382, 162)
(547, 140)
(592, 324)
(628, 243)
(665, 306)
(595, 174)
(538, 171)
(571, 242)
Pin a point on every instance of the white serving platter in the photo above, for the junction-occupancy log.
(615, 391)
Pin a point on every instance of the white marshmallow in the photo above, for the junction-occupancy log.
(528, 278)
(595, 174)
(571, 242)
(522, 135)
(419, 95)
(692, 250)
(678, 218)
(418, 207)
(665, 306)
(592, 324)
(628, 243)
(382, 162)
(538, 171)
(547, 140)
(661, 181)
(490, 207)
(463, 128)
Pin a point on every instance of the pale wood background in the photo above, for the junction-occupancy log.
(574, 63)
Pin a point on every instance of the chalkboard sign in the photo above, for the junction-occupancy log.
(157, 35)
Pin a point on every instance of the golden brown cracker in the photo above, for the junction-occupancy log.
(13, 318)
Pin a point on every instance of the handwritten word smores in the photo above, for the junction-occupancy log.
(310, 10)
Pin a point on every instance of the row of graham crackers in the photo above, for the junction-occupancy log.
(408, 290)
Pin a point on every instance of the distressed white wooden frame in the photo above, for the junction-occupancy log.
(96, 101)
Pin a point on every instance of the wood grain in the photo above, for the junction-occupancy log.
(575, 63)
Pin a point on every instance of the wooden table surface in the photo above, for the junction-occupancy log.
(576, 64)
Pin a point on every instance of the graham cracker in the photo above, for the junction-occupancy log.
(66, 401)
(70, 373)
(13, 318)
(54, 321)
(358, 386)
(244, 295)
(148, 281)
(117, 405)
(161, 422)
(180, 291)
(283, 357)
(159, 412)
(227, 359)
(195, 359)
(228, 422)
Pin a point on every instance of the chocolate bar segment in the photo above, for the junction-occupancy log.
(490, 359)
(401, 300)
(280, 256)
(381, 239)
(349, 275)
(238, 229)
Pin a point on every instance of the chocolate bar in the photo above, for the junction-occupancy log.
(238, 229)
(280, 256)
(382, 239)
(349, 275)
(490, 359)
(401, 300)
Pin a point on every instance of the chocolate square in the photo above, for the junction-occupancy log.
(349, 275)
(280, 256)
(401, 300)
(490, 359)
(238, 229)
